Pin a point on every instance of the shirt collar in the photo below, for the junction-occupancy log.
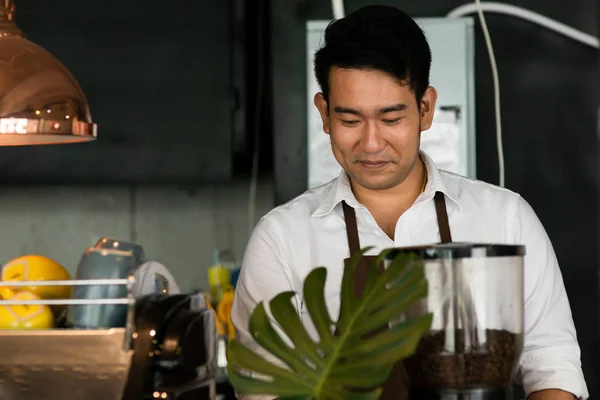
(341, 190)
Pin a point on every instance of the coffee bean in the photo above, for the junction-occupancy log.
(489, 362)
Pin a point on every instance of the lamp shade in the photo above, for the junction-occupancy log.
(41, 103)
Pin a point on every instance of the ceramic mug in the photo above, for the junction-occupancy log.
(101, 263)
(139, 256)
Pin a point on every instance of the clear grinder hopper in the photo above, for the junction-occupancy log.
(475, 293)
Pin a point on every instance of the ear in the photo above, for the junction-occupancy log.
(323, 108)
(427, 108)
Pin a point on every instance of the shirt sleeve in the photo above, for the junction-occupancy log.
(265, 273)
(551, 356)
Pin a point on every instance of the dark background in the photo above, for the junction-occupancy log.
(174, 89)
(165, 84)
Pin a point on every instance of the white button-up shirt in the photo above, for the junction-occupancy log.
(309, 231)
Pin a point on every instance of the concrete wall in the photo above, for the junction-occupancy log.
(176, 227)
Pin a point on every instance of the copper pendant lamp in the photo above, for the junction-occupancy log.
(41, 103)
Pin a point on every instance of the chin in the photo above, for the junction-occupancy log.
(375, 184)
(379, 186)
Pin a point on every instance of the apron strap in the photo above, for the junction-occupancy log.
(351, 229)
(440, 210)
(442, 217)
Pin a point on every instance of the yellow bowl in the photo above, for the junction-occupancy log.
(38, 268)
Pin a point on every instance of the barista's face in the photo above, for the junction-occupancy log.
(375, 125)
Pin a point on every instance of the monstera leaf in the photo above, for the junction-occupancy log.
(345, 363)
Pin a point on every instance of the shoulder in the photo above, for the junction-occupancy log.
(299, 210)
(494, 202)
(479, 194)
(281, 230)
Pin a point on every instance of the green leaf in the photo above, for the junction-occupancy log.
(347, 365)
(384, 315)
(362, 372)
(259, 387)
(289, 321)
(397, 343)
(411, 279)
(268, 338)
(347, 292)
(241, 357)
(315, 283)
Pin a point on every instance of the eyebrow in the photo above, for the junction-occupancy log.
(385, 110)
(395, 107)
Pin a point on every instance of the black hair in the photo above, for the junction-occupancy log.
(380, 38)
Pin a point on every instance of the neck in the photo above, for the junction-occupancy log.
(388, 205)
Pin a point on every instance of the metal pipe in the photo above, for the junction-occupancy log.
(66, 302)
(74, 282)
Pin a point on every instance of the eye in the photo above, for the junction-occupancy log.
(350, 122)
(391, 121)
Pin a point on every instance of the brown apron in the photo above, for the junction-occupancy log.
(395, 387)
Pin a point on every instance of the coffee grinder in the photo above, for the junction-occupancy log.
(475, 293)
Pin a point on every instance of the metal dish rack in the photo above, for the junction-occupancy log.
(65, 363)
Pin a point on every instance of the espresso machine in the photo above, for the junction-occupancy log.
(475, 294)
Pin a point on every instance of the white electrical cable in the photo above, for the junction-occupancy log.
(527, 15)
(496, 81)
(257, 123)
(337, 6)
(530, 16)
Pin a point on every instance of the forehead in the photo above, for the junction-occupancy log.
(367, 87)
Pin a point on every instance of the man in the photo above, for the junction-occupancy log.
(373, 70)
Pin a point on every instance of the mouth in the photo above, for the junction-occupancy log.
(373, 164)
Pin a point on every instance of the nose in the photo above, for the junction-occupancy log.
(372, 140)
